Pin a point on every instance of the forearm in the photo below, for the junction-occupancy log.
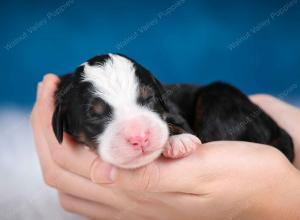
(297, 152)
(282, 201)
(286, 204)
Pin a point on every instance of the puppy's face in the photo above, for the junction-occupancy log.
(114, 105)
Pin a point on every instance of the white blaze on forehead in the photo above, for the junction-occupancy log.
(114, 81)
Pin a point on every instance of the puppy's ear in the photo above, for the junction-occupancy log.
(58, 122)
(62, 95)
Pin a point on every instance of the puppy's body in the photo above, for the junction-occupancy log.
(113, 104)
(219, 111)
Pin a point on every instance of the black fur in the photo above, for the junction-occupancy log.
(219, 111)
(73, 112)
(214, 112)
(75, 102)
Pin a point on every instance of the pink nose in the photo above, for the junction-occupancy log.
(140, 141)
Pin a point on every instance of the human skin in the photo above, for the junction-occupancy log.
(221, 180)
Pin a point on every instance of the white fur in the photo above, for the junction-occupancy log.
(112, 143)
(181, 145)
(115, 82)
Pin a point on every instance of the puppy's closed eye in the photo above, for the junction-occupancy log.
(97, 112)
(98, 107)
(146, 94)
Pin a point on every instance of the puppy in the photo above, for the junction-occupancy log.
(116, 106)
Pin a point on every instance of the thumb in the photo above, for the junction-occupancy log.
(162, 175)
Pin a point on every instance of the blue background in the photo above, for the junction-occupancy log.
(188, 44)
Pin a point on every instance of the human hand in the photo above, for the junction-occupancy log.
(219, 181)
(287, 116)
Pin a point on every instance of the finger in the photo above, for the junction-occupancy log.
(86, 208)
(162, 175)
(283, 113)
(68, 155)
(71, 183)
(287, 117)
(68, 182)
(191, 174)
(39, 139)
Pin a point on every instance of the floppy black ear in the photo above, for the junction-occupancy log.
(61, 96)
(58, 123)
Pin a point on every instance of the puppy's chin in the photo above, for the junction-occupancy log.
(137, 162)
(116, 151)
(124, 156)
(115, 148)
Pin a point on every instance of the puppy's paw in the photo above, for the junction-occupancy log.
(181, 145)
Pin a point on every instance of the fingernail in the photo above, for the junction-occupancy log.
(103, 173)
(39, 90)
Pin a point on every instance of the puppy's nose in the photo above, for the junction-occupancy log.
(139, 141)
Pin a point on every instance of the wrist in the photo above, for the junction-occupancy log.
(281, 200)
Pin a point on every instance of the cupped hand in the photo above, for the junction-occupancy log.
(221, 180)
(287, 117)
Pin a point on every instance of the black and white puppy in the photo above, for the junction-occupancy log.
(113, 104)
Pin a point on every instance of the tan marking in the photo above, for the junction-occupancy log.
(98, 107)
(84, 140)
(199, 112)
(146, 91)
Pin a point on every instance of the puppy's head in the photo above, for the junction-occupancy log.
(113, 104)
